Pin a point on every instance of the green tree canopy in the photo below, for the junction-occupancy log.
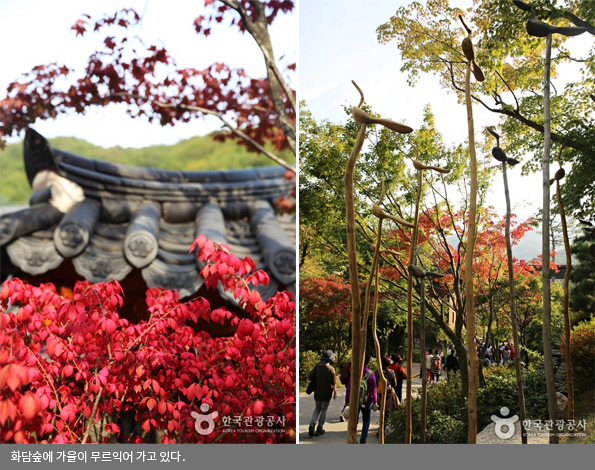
(428, 37)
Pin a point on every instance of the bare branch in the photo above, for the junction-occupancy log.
(508, 86)
(258, 30)
(218, 115)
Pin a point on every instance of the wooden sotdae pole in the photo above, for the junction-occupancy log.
(545, 247)
(410, 315)
(356, 304)
(513, 316)
(569, 382)
(469, 301)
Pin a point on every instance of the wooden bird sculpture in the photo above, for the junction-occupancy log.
(560, 174)
(420, 166)
(469, 53)
(541, 29)
(498, 153)
(420, 273)
(381, 214)
(361, 117)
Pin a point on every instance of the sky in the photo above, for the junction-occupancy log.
(35, 32)
(338, 44)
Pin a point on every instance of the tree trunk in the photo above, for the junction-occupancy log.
(410, 315)
(257, 27)
(456, 337)
(513, 315)
(463, 366)
(356, 305)
(569, 383)
(545, 272)
(484, 348)
(469, 301)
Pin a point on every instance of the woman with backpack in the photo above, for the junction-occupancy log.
(368, 396)
(436, 366)
(392, 402)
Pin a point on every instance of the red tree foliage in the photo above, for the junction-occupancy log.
(443, 235)
(68, 366)
(146, 78)
(326, 296)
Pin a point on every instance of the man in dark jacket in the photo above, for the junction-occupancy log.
(326, 387)
(452, 364)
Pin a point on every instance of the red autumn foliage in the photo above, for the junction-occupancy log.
(67, 365)
(443, 252)
(326, 296)
(147, 79)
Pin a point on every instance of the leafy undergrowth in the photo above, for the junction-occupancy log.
(584, 410)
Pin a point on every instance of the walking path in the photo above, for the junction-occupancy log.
(336, 431)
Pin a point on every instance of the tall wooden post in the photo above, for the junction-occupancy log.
(569, 381)
(513, 316)
(545, 246)
(469, 299)
(359, 319)
(356, 304)
(424, 378)
(410, 314)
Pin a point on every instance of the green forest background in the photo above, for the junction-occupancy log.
(195, 154)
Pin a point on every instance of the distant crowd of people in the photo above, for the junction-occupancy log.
(437, 362)
(503, 356)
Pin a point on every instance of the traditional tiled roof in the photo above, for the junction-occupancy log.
(110, 218)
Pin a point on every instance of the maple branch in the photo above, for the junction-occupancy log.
(258, 30)
(510, 89)
(218, 115)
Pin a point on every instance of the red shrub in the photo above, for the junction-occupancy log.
(65, 365)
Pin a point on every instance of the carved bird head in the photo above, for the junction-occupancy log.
(469, 53)
(378, 212)
(420, 166)
(361, 117)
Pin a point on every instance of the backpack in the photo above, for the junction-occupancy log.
(436, 363)
(363, 390)
(345, 376)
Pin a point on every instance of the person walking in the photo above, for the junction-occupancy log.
(400, 374)
(436, 366)
(368, 397)
(392, 402)
(506, 355)
(451, 365)
(326, 387)
(428, 358)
